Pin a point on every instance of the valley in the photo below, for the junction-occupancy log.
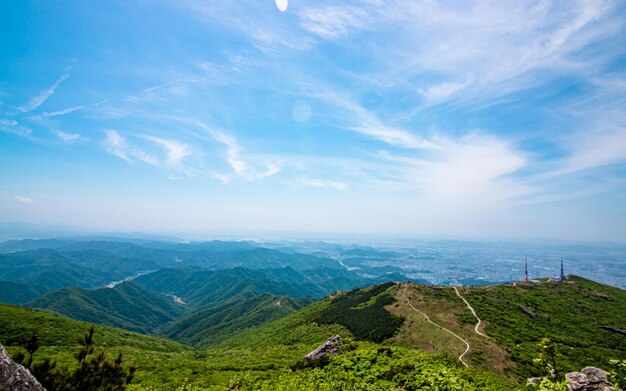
(216, 312)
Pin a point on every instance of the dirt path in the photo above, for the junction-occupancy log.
(441, 327)
(473, 313)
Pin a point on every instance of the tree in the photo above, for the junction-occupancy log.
(31, 344)
(548, 358)
(97, 373)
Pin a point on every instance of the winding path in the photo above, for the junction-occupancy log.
(441, 327)
(473, 313)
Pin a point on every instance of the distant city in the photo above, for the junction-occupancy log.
(450, 262)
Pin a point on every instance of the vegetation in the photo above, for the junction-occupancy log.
(17, 323)
(208, 327)
(209, 289)
(128, 306)
(371, 367)
(17, 292)
(97, 373)
(582, 317)
(362, 312)
(247, 332)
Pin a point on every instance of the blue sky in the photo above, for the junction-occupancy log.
(482, 119)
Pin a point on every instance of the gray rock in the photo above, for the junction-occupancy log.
(589, 379)
(331, 346)
(15, 377)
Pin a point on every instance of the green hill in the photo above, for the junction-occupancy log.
(388, 342)
(584, 317)
(211, 326)
(12, 292)
(204, 289)
(56, 330)
(129, 306)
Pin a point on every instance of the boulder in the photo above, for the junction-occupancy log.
(15, 377)
(330, 347)
(589, 379)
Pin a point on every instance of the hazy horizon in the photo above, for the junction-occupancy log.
(482, 121)
(39, 232)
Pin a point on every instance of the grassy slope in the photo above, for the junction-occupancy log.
(128, 306)
(444, 308)
(209, 327)
(278, 344)
(163, 364)
(568, 313)
(282, 341)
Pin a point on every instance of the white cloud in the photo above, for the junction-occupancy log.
(466, 171)
(38, 100)
(147, 158)
(61, 112)
(595, 149)
(7, 122)
(119, 146)
(23, 199)
(67, 137)
(175, 150)
(271, 170)
(442, 91)
(340, 186)
(246, 169)
(116, 144)
(356, 118)
(332, 22)
(157, 87)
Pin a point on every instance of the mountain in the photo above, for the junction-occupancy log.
(584, 318)
(204, 289)
(57, 263)
(395, 335)
(211, 326)
(49, 269)
(164, 364)
(58, 331)
(129, 306)
(18, 293)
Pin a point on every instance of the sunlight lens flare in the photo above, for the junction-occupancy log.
(301, 111)
(282, 5)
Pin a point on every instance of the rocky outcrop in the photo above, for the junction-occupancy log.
(589, 379)
(15, 377)
(330, 347)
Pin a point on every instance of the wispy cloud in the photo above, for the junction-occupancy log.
(176, 151)
(7, 122)
(61, 112)
(158, 87)
(115, 143)
(442, 91)
(67, 137)
(240, 168)
(332, 22)
(340, 186)
(40, 99)
(358, 119)
(23, 199)
(593, 150)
